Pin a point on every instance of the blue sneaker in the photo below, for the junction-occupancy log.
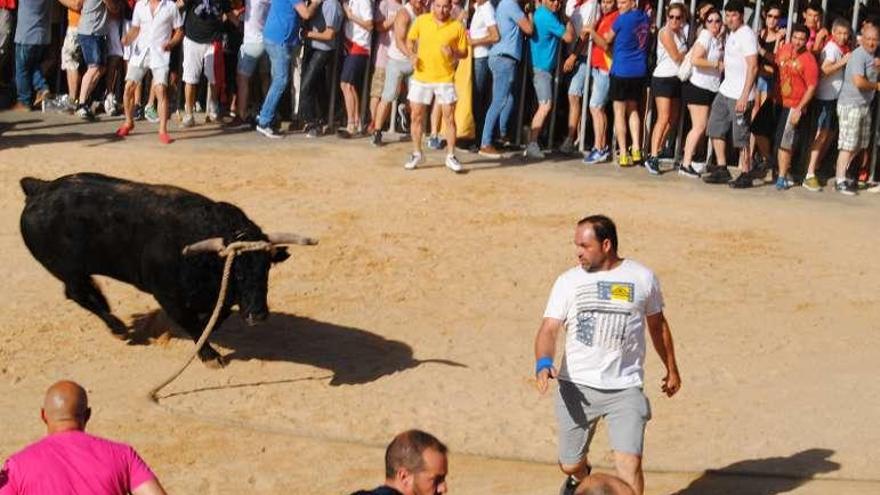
(434, 143)
(597, 156)
(783, 183)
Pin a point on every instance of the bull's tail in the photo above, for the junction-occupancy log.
(32, 186)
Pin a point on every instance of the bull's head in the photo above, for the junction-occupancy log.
(250, 271)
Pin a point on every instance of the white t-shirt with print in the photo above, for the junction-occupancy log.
(363, 9)
(739, 45)
(829, 86)
(604, 317)
(255, 13)
(484, 17)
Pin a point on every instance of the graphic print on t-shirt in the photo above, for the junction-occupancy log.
(603, 309)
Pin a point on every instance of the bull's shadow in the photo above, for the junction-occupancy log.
(354, 356)
(767, 476)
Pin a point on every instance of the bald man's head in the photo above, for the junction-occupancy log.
(603, 484)
(66, 407)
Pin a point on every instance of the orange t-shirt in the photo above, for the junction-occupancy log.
(797, 72)
(601, 59)
(72, 18)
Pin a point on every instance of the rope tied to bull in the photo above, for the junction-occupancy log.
(228, 252)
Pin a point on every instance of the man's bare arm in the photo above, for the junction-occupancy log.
(661, 337)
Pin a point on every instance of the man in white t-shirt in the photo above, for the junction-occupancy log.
(603, 304)
(732, 108)
(156, 28)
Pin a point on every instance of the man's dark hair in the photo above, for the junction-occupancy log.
(735, 6)
(603, 227)
(405, 451)
(800, 28)
(814, 6)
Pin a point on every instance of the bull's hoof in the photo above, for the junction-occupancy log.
(217, 363)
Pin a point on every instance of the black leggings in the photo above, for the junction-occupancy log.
(313, 75)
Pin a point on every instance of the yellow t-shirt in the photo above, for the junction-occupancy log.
(434, 66)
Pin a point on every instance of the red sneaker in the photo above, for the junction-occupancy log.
(124, 130)
(165, 138)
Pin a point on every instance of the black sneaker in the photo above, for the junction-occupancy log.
(744, 181)
(847, 187)
(718, 175)
(376, 139)
(568, 486)
(688, 171)
(653, 165)
(313, 131)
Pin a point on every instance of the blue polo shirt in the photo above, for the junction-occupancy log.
(282, 23)
(631, 36)
(545, 39)
(507, 14)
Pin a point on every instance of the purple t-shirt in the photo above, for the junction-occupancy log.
(74, 462)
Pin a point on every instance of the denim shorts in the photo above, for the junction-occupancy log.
(576, 87)
(248, 57)
(599, 92)
(765, 84)
(94, 49)
(543, 82)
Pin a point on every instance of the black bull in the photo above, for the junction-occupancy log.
(90, 224)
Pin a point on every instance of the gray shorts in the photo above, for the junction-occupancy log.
(723, 117)
(578, 409)
(395, 72)
(543, 82)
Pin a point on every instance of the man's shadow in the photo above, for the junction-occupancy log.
(768, 476)
(354, 356)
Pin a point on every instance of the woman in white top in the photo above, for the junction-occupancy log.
(671, 49)
(699, 91)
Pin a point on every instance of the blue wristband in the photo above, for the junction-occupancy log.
(543, 363)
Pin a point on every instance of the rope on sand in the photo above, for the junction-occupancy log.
(229, 252)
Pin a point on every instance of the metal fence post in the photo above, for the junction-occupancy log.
(585, 99)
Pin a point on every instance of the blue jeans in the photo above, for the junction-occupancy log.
(28, 74)
(481, 92)
(279, 60)
(503, 69)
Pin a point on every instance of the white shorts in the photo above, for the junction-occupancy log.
(424, 93)
(136, 73)
(197, 57)
(114, 37)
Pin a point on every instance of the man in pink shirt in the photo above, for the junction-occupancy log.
(69, 460)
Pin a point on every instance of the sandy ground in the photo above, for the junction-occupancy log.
(419, 308)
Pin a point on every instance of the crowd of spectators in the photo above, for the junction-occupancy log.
(665, 82)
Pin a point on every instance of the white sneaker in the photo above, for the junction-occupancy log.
(415, 159)
(874, 188)
(453, 164)
(533, 151)
(699, 167)
(268, 131)
(188, 120)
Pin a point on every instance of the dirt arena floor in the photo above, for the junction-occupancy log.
(419, 307)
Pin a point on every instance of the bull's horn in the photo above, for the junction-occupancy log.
(289, 238)
(213, 245)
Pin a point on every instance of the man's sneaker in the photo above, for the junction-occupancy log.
(568, 486)
(84, 113)
(717, 175)
(846, 186)
(783, 183)
(188, 120)
(567, 147)
(533, 151)
(598, 156)
(636, 155)
(699, 167)
(313, 131)
(624, 160)
(744, 181)
(489, 151)
(812, 184)
(434, 143)
(151, 115)
(653, 165)
(415, 159)
(268, 131)
(688, 171)
(376, 139)
(453, 164)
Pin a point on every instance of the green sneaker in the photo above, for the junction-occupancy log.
(151, 115)
(812, 184)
